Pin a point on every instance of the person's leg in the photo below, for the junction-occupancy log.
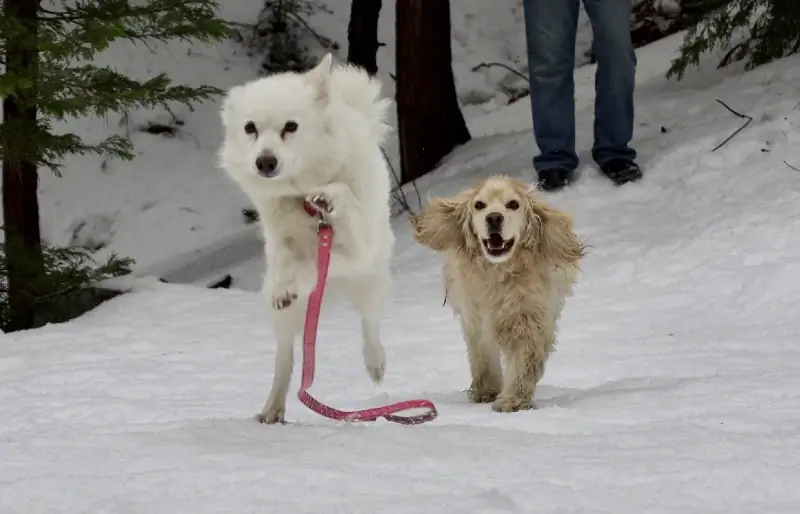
(614, 87)
(550, 28)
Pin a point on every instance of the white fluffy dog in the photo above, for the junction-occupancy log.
(314, 136)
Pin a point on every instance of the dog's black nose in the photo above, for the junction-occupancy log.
(494, 221)
(266, 164)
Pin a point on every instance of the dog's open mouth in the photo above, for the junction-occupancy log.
(496, 246)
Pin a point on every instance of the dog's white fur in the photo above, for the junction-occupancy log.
(333, 159)
(507, 303)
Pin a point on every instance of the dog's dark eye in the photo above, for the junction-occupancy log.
(290, 127)
(512, 205)
(479, 206)
(250, 128)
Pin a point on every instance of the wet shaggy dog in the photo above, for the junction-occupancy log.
(314, 136)
(511, 262)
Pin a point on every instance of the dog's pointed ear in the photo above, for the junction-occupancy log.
(552, 234)
(320, 74)
(227, 113)
(441, 225)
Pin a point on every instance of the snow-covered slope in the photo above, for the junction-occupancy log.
(171, 206)
(674, 388)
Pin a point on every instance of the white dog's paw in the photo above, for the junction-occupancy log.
(272, 415)
(512, 404)
(322, 203)
(284, 295)
(375, 361)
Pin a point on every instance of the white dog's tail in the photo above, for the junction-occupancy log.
(363, 93)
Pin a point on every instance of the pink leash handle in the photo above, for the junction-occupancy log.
(389, 412)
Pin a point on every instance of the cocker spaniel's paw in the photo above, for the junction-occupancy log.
(512, 404)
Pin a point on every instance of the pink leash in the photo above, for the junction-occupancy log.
(310, 342)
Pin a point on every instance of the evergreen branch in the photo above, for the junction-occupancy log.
(109, 10)
(770, 28)
(58, 146)
(81, 276)
(38, 143)
(79, 91)
(81, 32)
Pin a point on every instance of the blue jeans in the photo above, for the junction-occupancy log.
(551, 27)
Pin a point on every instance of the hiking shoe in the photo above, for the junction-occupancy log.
(621, 171)
(554, 179)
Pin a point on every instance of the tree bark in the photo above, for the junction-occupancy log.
(362, 34)
(20, 179)
(430, 122)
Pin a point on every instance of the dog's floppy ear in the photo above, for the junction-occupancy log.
(441, 225)
(553, 235)
(320, 74)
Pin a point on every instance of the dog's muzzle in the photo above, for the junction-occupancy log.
(267, 165)
(496, 245)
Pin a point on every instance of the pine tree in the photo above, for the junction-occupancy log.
(760, 30)
(48, 75)
(280, 36)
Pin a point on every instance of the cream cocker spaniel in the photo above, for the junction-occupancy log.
(511, 262)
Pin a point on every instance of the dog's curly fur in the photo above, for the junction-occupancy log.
(508, 294)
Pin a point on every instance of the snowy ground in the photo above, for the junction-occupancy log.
(674, 388)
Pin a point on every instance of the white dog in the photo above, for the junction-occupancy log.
(315, 136)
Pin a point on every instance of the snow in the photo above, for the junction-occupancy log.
(674, 388)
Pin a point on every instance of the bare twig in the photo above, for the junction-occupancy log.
(65, 290)
(501, 65)
(400, 195)
(729, 55)
(740, 115)
(791, 167)
(325, 42)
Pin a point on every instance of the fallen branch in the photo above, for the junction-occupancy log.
(732, 53)
(501, 65)
(740, 115)
(790, 166)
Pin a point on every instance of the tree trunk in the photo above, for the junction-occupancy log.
(20, 180)
(429, 119)
(362, 34)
